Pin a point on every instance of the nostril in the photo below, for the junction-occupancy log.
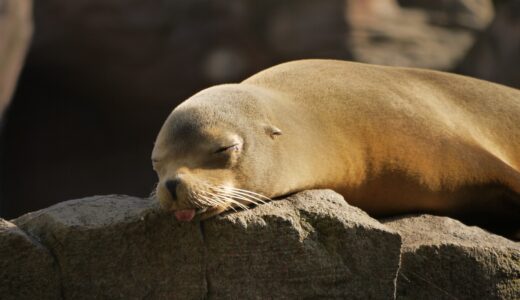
(171, 185)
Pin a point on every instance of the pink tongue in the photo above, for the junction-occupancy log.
(185, 214)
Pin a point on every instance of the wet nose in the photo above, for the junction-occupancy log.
(171, 185)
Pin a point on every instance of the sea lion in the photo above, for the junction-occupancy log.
(390, 140)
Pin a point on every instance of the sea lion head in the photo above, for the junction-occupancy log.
(215, 152)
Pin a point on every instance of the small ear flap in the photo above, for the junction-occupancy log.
(272, 131)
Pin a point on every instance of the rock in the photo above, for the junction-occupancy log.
(311, 245)
(27, 269)
(470, 14)
(445, 259)
(496, 54)
(115, 247)
(15, 32)
(383, 32)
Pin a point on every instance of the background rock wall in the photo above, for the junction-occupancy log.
(102, 75)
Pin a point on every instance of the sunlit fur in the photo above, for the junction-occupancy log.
(391, 140)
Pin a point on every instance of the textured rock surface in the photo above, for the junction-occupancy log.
(15, 31)
(27, 269)
(307, 246)
(445, 259)
(112, 247)
(312, 245)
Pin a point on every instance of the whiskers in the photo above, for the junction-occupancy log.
(226, 196)
(204, 196)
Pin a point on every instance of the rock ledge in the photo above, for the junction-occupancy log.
(311, 244)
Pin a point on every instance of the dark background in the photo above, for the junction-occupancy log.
(102, 75)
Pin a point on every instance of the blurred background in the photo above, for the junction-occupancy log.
(100, 76)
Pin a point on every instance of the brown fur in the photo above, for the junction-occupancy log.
(390, 140)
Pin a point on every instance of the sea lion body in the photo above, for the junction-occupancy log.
(390, 140)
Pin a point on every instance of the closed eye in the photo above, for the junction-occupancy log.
(228, 148)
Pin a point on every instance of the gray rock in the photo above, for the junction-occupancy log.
(310, 245)
(119, 247)
(445, 259)
(27, 269)
(15, 32)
